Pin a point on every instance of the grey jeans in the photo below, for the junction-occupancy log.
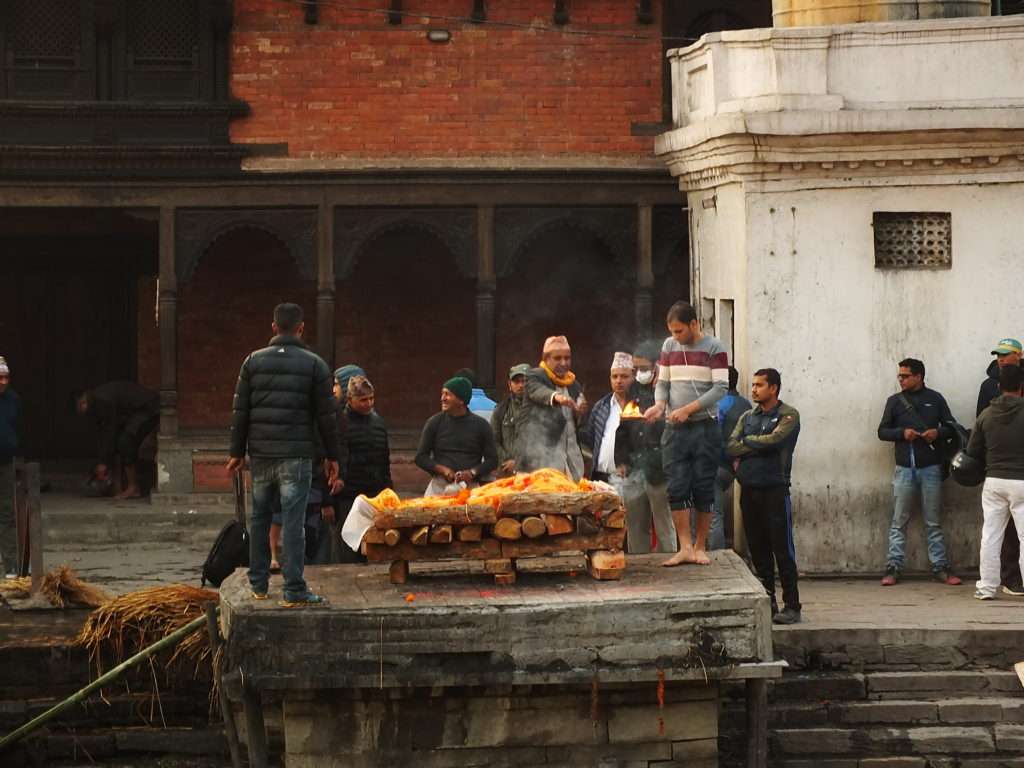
(8, 528)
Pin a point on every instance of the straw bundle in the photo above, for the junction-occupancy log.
(133, 621)
(61, 587)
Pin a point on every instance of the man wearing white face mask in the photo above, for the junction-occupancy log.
(638, 450)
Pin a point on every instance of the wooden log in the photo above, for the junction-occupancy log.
(498, 565)
(586, 525)
(398, 573)
(420, 536)
(575, 503)
(441, 534)
(376, 536)
(405, 550)
(505, 579)
(606, 565)
(607, 538)
(408, 517)
(507, 528)
(470, 532)
(534, 527)
(557, 525)
(616, 519)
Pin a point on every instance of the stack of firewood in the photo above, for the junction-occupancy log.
(515, 525)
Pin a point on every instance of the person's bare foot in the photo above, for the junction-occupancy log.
(696, 556)
(129, 493)
(680, 557)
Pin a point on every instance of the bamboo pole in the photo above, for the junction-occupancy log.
(77, 698)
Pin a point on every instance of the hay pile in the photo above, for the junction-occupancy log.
(127, 624)
(61, 587)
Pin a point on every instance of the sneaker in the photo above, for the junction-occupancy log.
(979, 595)
(1016, 590)
(259, 595)
(892, 575)
(946, 576)
(310, 598)
(787, 616)
(11, 575)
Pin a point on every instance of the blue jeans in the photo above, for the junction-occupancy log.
(908, 482)
(279, 484)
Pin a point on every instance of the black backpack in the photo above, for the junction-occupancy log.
(230, 549)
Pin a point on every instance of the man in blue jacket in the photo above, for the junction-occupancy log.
(10, 416)
(914, 419)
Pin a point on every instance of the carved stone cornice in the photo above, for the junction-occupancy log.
(851, 157)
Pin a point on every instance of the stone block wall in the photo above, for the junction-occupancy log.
(607, 726)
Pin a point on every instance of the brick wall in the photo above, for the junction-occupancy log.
(354, 85)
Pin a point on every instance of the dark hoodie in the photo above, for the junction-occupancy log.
(998, 436)
(989, 387)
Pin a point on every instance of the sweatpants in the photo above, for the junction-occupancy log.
(1001, 499)
(768, 522)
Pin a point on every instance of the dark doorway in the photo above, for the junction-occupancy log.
(68, 321)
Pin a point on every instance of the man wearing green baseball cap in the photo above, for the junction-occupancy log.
(507, 420)
(1007, 352)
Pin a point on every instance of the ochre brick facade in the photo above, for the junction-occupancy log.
(355, 86)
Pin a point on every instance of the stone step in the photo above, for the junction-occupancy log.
(61, 747)
(916, 685)
(894, 712)
(885, 741)
(115, 525)
(892, 649)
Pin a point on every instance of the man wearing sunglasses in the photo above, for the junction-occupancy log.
(914, 419)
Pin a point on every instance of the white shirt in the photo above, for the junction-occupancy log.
(606, 458)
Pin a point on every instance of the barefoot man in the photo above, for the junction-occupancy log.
(693, 377)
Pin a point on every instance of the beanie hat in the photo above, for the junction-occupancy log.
(622, 361)
(346, 372)
(461, 387)
(359, 386)
(556, 343)
(4, 369)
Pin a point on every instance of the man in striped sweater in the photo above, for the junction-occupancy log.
(693, 375)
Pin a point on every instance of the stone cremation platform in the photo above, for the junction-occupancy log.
(453, 671)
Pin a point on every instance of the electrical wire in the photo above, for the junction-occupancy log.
(574, 32)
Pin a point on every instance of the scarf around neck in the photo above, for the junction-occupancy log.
(566, 381)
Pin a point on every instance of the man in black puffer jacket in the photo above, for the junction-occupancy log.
(282, 400)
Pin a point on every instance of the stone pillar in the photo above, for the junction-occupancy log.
(643, 297)
(168, 303)
(485, 287)
(325, 284)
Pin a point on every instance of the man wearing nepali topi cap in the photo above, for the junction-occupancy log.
(10, 428)
(556, 410)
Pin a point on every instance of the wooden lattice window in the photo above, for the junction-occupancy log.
(45, 33)
(913, 240)
(163, 33)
